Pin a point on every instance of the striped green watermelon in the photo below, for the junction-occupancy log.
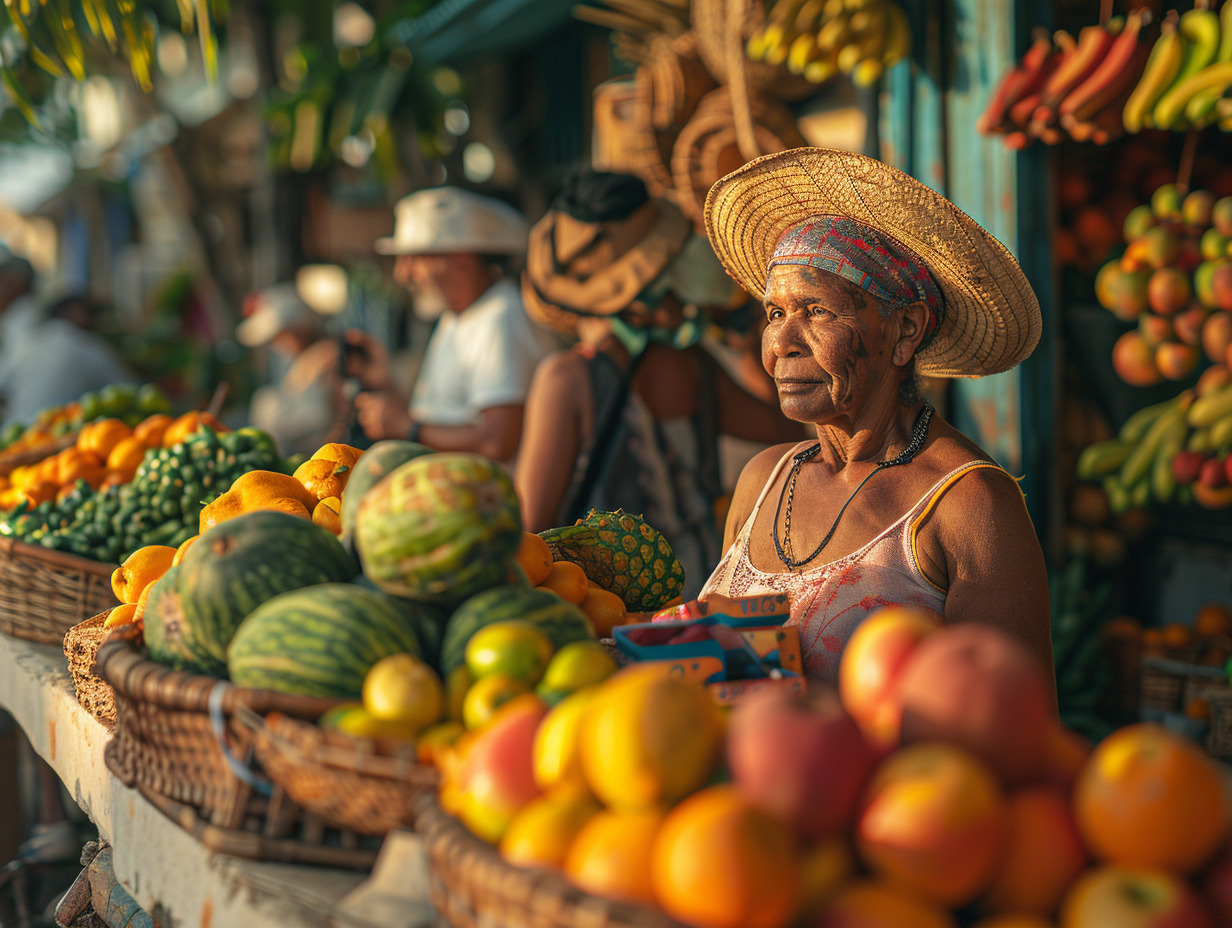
(318, 641)
(239, 564)
(164, 622)
(373, 466)
(427, 619)
(561, 621)
(440, 528)
(622, 553)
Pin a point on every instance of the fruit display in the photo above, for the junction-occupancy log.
(160, 505)
(818, 39)
(376, 463)
(1066, 87)
(1175, 450)
(933, 788)
(125, 402)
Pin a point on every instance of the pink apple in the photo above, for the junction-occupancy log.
(1125, 898)
(499, 776)
(801, 760)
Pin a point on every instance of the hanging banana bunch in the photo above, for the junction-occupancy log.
(635, 23)
(821, 38)
(59, 36)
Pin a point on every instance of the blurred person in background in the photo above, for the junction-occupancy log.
(19, 311)
(631, 416)
(57, 358)
(300, 405)
(452, 252)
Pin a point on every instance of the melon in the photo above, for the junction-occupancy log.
(373, 466)
(622, 553)
(427, 619)
(561, 621)
(440, 528)
(163, 621)
(238, 565)
(318, 641)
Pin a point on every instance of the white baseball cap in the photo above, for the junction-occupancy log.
(278, 308)
(445, 220)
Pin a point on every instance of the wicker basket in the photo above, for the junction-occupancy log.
(81, 644)
(1219, 735)
(44, 593)
(10, 461)
(471, 886)
(365, 786)
(712, 20)
(1167, 681)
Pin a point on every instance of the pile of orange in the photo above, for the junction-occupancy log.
(107, 452)
(567, 580)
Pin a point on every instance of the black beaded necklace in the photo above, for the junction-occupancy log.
(919, 431)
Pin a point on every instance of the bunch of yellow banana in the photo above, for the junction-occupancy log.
(1187, 74)
(821, 38)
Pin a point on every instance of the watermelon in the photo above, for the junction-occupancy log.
(239, 564)
(373, 466)
(623, 554)
(318, 641)
(439, 528)
(561, 621)
(164, 623)
(427, 619)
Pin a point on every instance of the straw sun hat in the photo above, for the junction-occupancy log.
(991, 317)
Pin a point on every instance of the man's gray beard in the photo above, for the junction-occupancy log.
(428, 302)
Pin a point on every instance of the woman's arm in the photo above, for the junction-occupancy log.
(982, 539)
(551, 437)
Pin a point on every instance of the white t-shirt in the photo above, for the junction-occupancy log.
(481, 357)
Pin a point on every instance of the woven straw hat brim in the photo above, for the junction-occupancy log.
(991, 318)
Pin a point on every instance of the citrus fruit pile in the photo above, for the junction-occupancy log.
(120, 401)
(933, 786)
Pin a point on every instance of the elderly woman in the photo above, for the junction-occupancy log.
(870, 279)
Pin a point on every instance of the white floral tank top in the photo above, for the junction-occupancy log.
(829, 602)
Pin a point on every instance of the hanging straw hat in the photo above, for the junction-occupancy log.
(991, 318)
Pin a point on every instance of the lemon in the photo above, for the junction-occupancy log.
(556, 756)
(487, 695)
(359, 723)
(517, 649)
(578, 664)
(401, 688)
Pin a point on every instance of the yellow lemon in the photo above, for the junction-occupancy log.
(487, 695)
(457, 682)
(557, 755)
(578, 664)
(401, 688)
(542, 833)
(518, 649)
(359, 723)
(435, 739)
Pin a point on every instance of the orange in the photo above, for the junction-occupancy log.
(541, 834)
(41, 492)
(1014, 920)
(183, 549)
(1043, 853)
(824, 869)
(872, 904)
(1121, 627)
(1149, 798)
(143, 601)
(126, 456)
(534, 557)
(611, 855)
(720, 863)
(605, 610)
(1198, 709)
(338, 453)
(80, 465)
(186, 424)
(1177, 635)
(323, 479)
(143, 567)
(150, 430)
(328, 514)
(568, 581)
(104, 435)
(122, 614)
(1213, 619)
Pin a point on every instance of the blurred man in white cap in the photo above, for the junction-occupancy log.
(299, 407)
(453, 249)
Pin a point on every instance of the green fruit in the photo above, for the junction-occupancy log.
(242, 563)
(440, 527)
(582, 663)
(318, 641)
(623, 554)
(487, 695)
(373, 466)
(116, 399)
(427, 619)
(164, 623)
(560, 621)
(516, 648)
(150, 400)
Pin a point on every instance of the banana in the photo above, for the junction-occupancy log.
(1119, 69)
(1163, 483)
(1201, 110)
(871, 45)
(868, 72)
(1138, 424)
(1140, 495)
(870, 18)
(833, 35)
(1171, 106)
(1200, 440)
(1101, 459)
(1028, 76)
(803, 50)
(1077, 65)
(1201, 29)
(1137, 465)
(1118, 496)
(822, 69)
(898, 35)
(1221, 434)
(781, 17)
(1161, 69)
(1209, 409)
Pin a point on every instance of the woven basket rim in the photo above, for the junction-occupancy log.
(135, 676)
(10, 461)
(13, 548)
(337, 750)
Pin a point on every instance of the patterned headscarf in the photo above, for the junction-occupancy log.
(869, 259)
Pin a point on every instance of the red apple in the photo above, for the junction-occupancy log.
(1155, 329)
(1212, 474)
(1227, 468)
(1176, 361)
(1214, 378)
(1169, 291)
(1221, 286)
(1125, 898)
(1186, 465)
(872, 663)
(1189, 322)
(1134, 360)
(1221, 215)
(499, 777)
(1217, 336)
(976, 687)
(800, 760)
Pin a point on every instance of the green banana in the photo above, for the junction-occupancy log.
(1201, 28)
(1162, 66)
(1209, 409)
(1138, 424)
(1200, 440)
(1201, 108)
(1140, 495)
(1221, 434)
(1118, 495)
(1138, 464)
(1163, 483)
(1102, 458)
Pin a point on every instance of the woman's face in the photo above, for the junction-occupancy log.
(826, 345)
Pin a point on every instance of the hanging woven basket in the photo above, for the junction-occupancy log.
(723, 27)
